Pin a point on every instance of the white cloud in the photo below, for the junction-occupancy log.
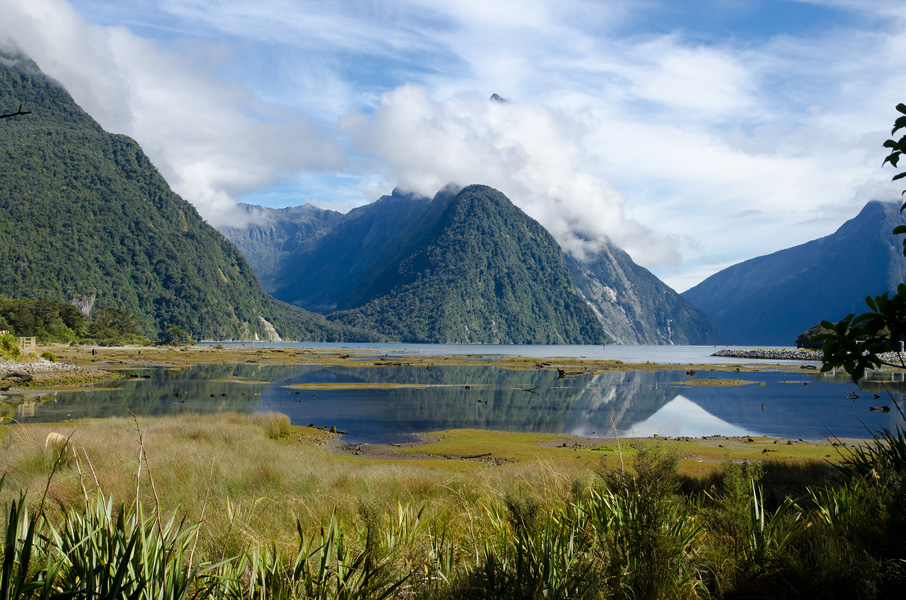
(529, 152)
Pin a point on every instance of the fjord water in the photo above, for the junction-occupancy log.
(636, 354)
(802, 404)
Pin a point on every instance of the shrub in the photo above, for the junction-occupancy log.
(9, 348)
(48, 356)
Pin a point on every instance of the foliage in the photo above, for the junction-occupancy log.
(859, 342)
(9, 347)
(275, 425)
(62, 322)
(807, 339)
(626, 534)
(174, 336)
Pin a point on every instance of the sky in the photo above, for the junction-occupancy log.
(694, 134)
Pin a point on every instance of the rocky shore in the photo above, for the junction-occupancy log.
(44, 372)
(799, 354)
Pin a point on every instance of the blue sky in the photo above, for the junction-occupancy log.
(695, 134)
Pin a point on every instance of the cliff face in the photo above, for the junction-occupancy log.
(634, 306)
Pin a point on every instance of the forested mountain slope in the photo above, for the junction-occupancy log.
(335, 266)
(84, 214)
(472, 267)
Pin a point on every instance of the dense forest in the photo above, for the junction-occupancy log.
(63, 322)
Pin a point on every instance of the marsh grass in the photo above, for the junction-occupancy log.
(244, 515)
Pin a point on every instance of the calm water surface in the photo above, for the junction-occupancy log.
(803, 405)
(665, 355)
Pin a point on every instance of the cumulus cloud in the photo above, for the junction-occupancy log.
(527, 151)
(211, 138)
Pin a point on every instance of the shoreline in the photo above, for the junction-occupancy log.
(77, 364)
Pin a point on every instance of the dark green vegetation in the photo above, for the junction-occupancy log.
(64, 323)
(337, 263)
(771, 299)
(809, 338)
(473, 268)
(84, 216)
(641, 532)
(635, 307)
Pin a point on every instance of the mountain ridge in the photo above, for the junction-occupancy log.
(771, 299)
(639, 307)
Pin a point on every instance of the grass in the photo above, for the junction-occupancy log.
(275, 425)
(293, 521)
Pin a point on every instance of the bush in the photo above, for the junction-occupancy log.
(9, 348)
(48, 356)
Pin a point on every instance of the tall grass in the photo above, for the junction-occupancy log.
(275, 425)
(613, 533)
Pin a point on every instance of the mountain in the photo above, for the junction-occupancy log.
(634, 306)
(85, 217)
(472, 268)
(273, 235)
(771, 299)
(336, 270)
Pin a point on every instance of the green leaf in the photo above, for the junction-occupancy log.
(898, 124)
(871, 303)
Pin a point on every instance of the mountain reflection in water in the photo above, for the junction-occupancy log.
(792, 405)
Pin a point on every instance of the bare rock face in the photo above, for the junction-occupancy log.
(634, 306)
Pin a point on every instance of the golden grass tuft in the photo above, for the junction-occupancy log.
(275, 425)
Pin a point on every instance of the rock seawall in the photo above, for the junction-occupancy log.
(797, 354)
(771, 354)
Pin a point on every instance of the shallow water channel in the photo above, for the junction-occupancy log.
(414, 399)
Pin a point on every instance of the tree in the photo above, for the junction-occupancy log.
(115, 324)
(174, 336)
(866, 341)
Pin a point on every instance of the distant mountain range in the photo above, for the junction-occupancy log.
(85, 217)
(771, 299)
(466, 266)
